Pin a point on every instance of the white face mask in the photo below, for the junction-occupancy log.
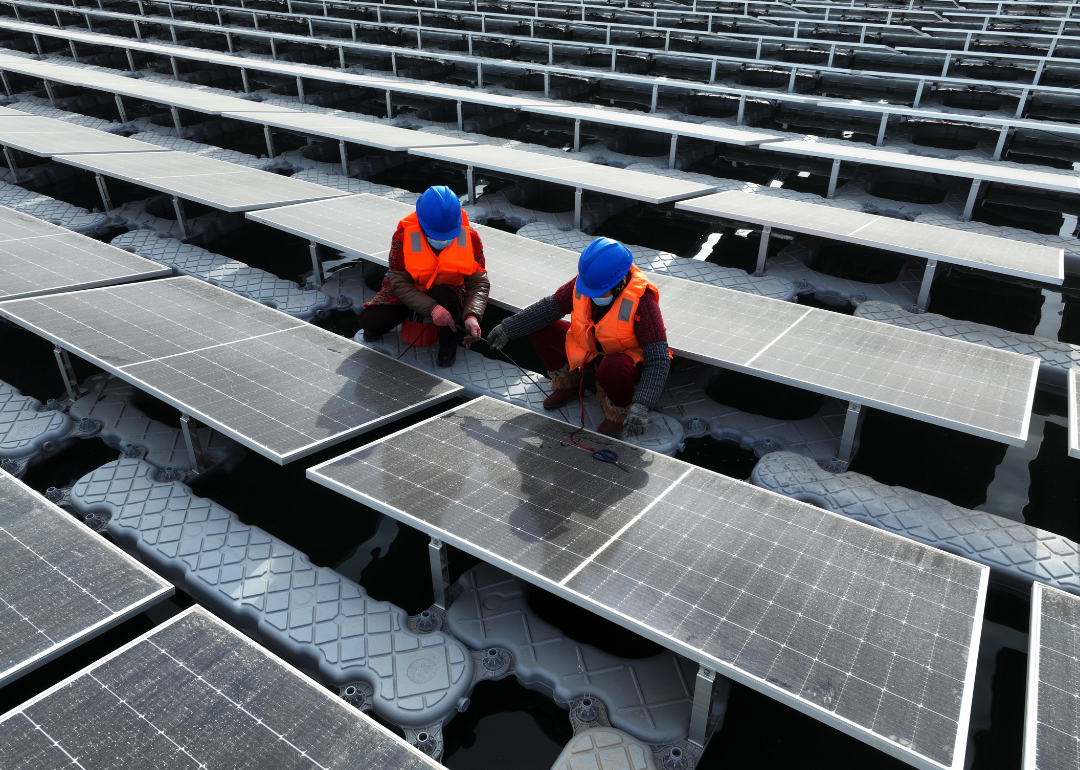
(603, 301)
(438, 245)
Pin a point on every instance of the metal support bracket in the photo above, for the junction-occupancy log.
(973, 195)
(849, 441)
(881, 128)
(577, 136)
(316, 263)
(191, 438)
(742, 110)
(178, 207)
(268, 134)
(924, 290)
(67, 372)
(344, 150)
(11, 164)
(49, 93)
(7, 86)
(671, 152)
(763, 250)
(577, 208)
(300, 88)
(389, 106)
(834, 177)
(1000, 147)
(175, 67)
(103, 189)
(699, 711)
(460, 117)
(120, 108)
(470, 180)
(131, 59)
(176, 121)
(440, 573)
(655, 97)
(244, 77)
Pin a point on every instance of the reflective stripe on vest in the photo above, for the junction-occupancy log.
(449, 266)
(614, 333)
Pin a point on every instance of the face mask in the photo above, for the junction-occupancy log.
(437, 245)
(603, 301)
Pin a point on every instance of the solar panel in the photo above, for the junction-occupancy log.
(638, 185)
(1052, 717)
(948, 382)
(61, 584)
(1000, 255)
(222, 185)
(194, 693)
(992, 172)
(351, 130)
(280, 386)
(872, 633)
(48, 137)
(41, 258)
(1074, 413)
(7, 112)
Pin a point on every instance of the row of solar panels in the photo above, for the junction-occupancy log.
(480, 97)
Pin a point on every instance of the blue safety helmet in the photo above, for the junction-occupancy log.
(602, 265)
(439, 213)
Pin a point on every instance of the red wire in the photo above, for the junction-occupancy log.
(581, 400)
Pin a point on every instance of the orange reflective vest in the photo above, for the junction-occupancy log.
(615, 331)
(449, 266)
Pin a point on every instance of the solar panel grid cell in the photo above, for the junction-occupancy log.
(1052, 720)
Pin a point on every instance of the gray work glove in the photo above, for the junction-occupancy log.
(637, 419)
(497, 338)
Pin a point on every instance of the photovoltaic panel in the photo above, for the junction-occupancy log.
(194, 693)
(37, 258)
(638, 185)
(1074, 413)
(1052, 717)
(869, 632)
(1000, 255)
(216, 183)
(61, 584)
(48, 136)
(280, 386)
(953, 383)
(350, 130)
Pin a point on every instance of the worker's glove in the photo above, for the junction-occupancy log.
(637, 419)
(441, 317)
(497, 337)
(472, 331)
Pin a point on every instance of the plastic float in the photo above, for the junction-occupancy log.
(31, 431)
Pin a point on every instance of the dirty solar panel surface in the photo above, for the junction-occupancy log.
(60, 582)
(41, 258)
(194, 693)
(869, 632)
(48, 137)
(1052, 727)
(276, 384)
(1074, 413)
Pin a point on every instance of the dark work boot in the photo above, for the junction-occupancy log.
(447, 348)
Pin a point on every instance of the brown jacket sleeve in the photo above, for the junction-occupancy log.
(411, 297)
(477, 288)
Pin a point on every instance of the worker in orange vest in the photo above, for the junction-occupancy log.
(437, 270)
(615, 329)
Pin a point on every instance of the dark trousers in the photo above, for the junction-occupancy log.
(618, 375)
(377, 320)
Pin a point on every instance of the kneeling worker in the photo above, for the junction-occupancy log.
(437, 269)
(615, 328)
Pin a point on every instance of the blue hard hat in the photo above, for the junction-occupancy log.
(439, 213)
(602, 265)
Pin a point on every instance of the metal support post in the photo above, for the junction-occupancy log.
(389, 106)
(341, 56)
(577, 135)
(273, 49)
(175, 68)
(228, 42)
(470, 180)
(131, 60)
(176, 121)
(244, 77)
(918, 93)
(712, 72)
(74, 54)
(945, 69)
(742, 110)
(655, 97)
(37, 45)
(613, 56)
(969, 207)
(1038, 72)
(67, 371)
(1021, 103)
(1000, 148)
(881, 128)
(923, 301)
(11, 164)
(316, 263)
(344, 150)
(440, 573)
(577, 208)
(103, 189)
(460, 117)
(699, 711)
(120, 108)
(190, 430)
(671, 153)
(850, 439)
(268, 134)
(49, 92)
(834, 177)
(763, 250)
(479, 75)
(138, 30)
(300, 88)
(393, 62)
(178, 207)
(791, 80)
(7, 86)
(547, 85)
(172, 32)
